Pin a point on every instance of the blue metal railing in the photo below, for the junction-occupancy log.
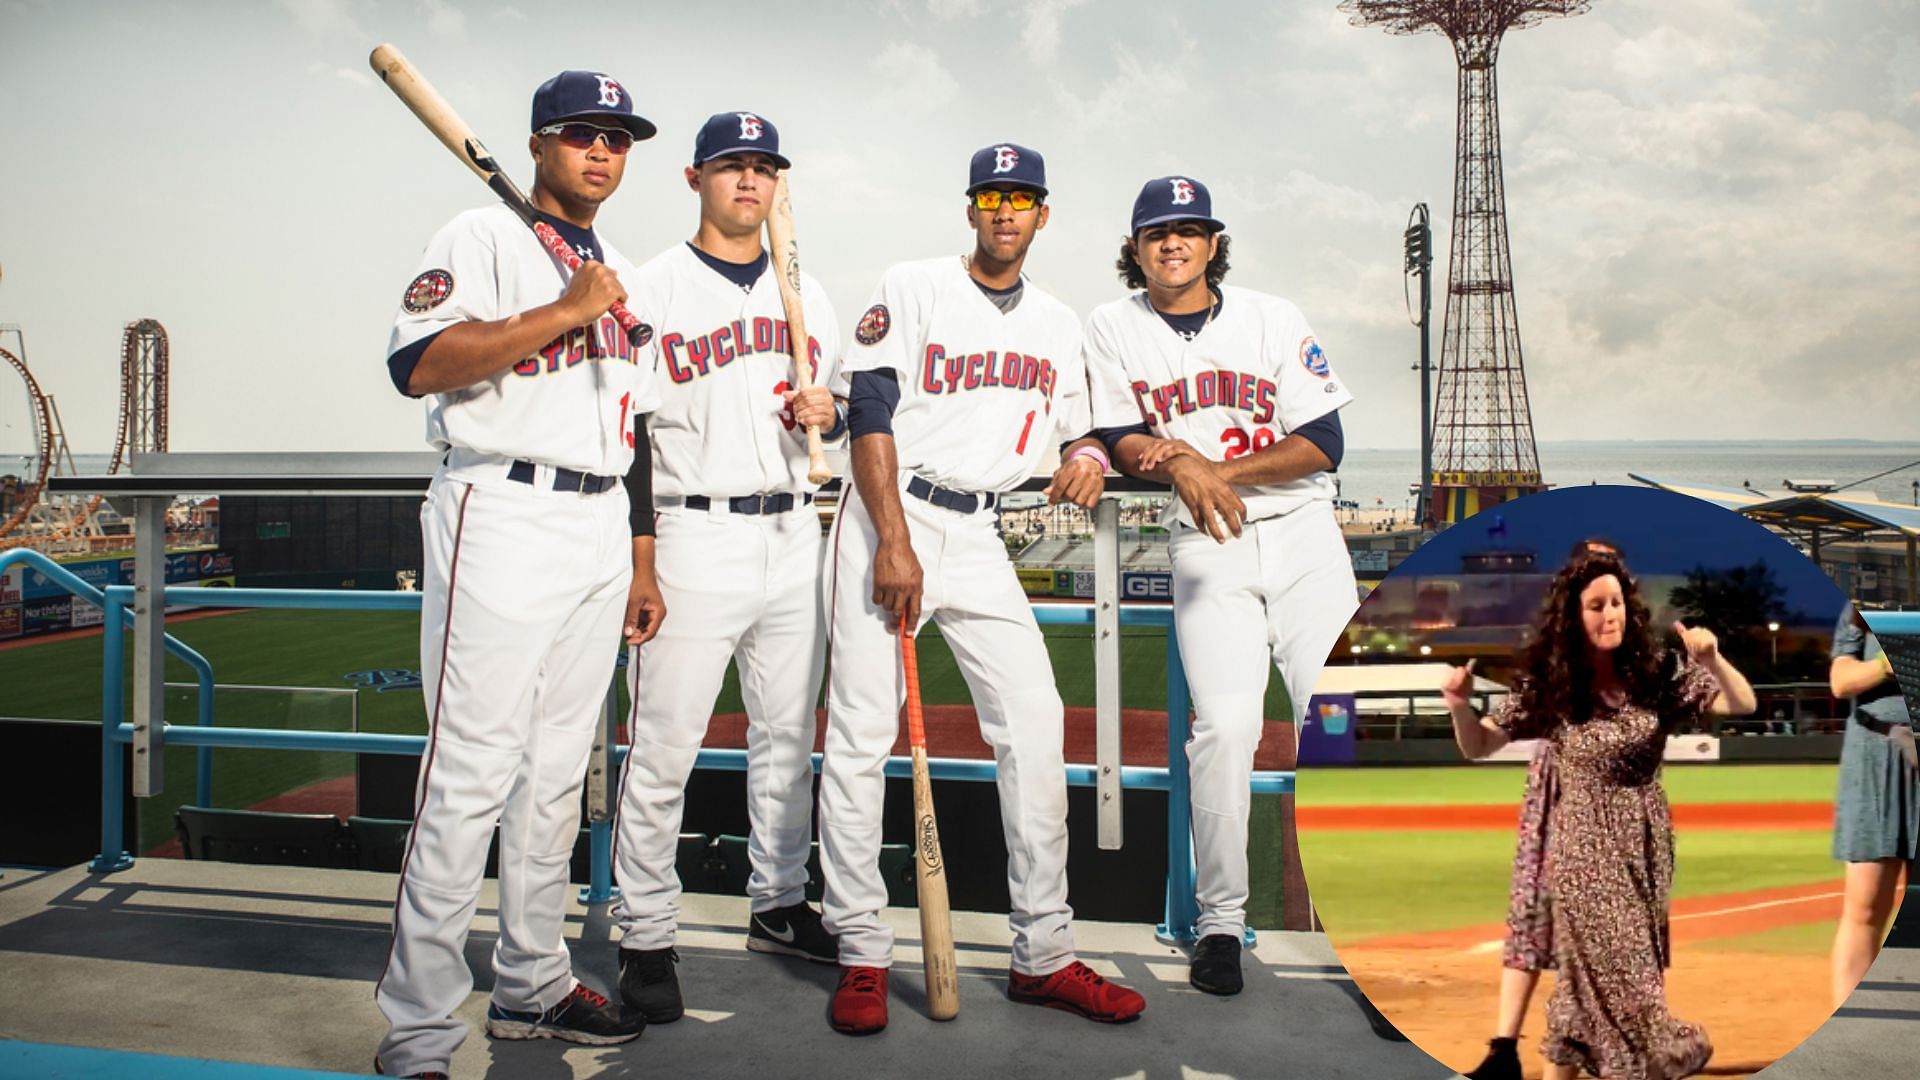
(203, 671)
(1181, 906)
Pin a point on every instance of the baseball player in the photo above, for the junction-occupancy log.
(1225, 394)
(536, 396)
(739, 552)
(962, 373)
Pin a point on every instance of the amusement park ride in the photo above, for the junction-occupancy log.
(32, 516)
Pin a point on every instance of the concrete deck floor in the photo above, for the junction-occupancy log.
(274, 966)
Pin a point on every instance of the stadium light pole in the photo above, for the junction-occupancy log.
(1419, 249)
(1773, 637)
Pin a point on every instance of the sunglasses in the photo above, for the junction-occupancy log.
(583, 136)
(989, 199)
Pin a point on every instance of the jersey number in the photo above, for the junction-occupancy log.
(1239, 442)
(1025, 430)
(626, 421)
(786, 414)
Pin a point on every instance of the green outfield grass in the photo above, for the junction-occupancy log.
(1362, 880)
(1464, 785)
(61, 680)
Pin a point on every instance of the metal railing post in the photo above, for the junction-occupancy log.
(149, 645)
(1182, 908)
(113, 806)
(1106, 670)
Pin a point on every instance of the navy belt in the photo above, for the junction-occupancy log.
(965, 502)
(750, 504)
(564, 479)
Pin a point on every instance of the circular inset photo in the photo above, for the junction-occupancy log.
(1607, 780)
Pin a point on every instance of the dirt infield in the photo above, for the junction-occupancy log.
(1769, 815)
(1755, 1007)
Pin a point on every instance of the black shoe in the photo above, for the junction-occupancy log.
(1216, 965)
(1502, 1062)
(380, 1070)
(794, 930)
(649, 984)
(584, 1017)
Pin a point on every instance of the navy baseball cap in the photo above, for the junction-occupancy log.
(737, 133)
(580, 95)
(1174, 198)
(1007, 165)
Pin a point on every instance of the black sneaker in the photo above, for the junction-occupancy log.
(649, 984)
(1216, 965)
(794, 930)
(1502, 1063)
(584, 1017)
(380, 1070)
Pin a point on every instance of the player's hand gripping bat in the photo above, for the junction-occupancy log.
(929, 870)
(412, 88)
(786, 267)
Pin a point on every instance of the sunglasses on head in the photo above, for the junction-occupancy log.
(583, 136)
(989, 199)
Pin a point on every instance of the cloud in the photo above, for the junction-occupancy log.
(955, 9)
(353, 76)
(444, 20)
(323, 18)
(914, 76)
(1041, 39)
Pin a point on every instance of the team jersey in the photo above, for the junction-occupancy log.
(1248, 378)
(570, 403)
(722, 428)
(982, 392)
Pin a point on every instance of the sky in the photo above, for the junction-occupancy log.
(1712, 205)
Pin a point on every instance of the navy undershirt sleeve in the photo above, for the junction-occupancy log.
(1111, 436)
(870, 406)
(1326, 434)
(639, 482)
(402, 361)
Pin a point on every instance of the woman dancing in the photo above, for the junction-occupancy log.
(1592, 683)
(1876, 819)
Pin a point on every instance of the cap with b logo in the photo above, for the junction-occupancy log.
(1174, 198)
(587, 95)
(737, 133)
(1007, 165)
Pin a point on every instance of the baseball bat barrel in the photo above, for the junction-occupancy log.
(418, 95)
(786, 264)
(929, 869)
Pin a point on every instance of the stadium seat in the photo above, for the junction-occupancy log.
(377, 843)
(261, 837)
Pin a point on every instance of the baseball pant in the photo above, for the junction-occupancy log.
(970, 590)
(524, 589)
(746, 588)
(1283, 590)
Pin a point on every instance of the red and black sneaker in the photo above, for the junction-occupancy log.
(1077, 989)
(860, 1002)
(583, 1016)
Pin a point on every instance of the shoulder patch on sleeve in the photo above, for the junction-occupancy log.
(873, 325)
(428, 291)
(1314, 358)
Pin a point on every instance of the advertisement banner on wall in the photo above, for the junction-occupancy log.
(9, 621)
(1083, 584)
(206, 567)
(86, 613)
(1151, 585)
(1035, 582)
(1326, 736)
(11, 581)
(46, 616)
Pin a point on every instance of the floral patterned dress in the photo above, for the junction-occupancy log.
(1609, 874)
(1529, 945)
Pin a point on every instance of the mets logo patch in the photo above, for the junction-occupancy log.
(1314, 357)
(428, 291)
(873, 325)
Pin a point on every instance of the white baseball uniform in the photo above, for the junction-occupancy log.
(982, 393)
(525, 587)
(1283, 589)
(741, 579)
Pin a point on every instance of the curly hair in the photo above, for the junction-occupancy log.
(1556, 667)
(1128, 264)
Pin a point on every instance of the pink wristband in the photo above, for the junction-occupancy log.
(1095, 454)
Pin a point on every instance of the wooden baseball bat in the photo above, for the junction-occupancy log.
(786, 268)
(417, 94)
(929, 869)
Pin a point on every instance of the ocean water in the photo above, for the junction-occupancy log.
(1379, 478)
